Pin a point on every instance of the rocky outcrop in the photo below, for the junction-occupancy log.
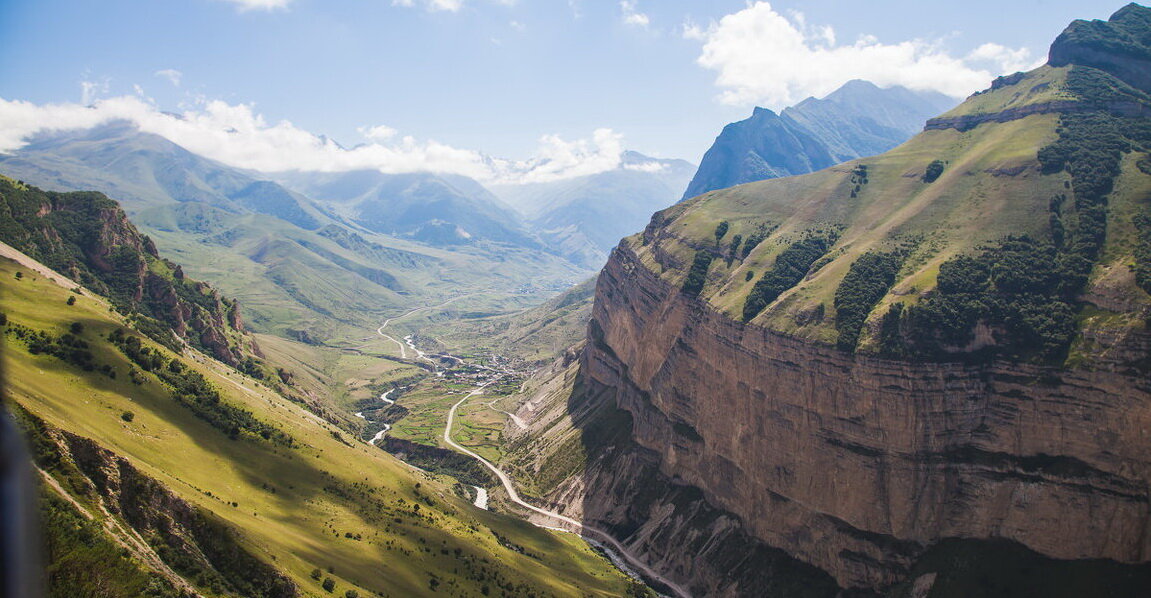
(855, 464)
(187, 540)
(1119, 45)
(967, 122)
(88, 238)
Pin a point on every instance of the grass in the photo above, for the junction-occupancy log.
(990, 187)
(301, 525)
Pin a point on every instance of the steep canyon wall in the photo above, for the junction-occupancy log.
(850, 463)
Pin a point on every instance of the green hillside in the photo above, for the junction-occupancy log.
(293, 492)
(997, 231)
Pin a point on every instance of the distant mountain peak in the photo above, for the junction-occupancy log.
(858, 119)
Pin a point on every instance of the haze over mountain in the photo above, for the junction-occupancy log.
(145, 170)
(436, 209)
(300, 267)
(582, 218)
(858, 119)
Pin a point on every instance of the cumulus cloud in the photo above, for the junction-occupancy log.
(1003, 59)
(631, 16)
(172, 75)
(557, 159)
(245, 5)
(90, 91)
(238, 136)
(764, 57)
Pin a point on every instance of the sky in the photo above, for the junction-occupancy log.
(502, 90)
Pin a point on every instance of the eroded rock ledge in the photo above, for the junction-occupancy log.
(853, 464)
(970, 121)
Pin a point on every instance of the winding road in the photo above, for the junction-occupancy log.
(564, 523)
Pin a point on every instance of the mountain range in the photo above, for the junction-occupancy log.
(919, 373)
(858, 119)
(582, 218)
(910, 360)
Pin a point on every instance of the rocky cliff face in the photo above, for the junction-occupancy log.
(854, 464)
(165, 532)
(1117, 45)
(87, 237)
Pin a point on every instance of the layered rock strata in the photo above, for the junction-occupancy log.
(851, 463)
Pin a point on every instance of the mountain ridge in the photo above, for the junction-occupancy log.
(858, 119)
(888, 367)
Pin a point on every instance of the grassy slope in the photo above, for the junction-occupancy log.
(301, 525)
(990, 188)
(536, 334)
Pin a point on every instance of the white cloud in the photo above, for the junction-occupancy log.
(432, 5)
(557, 159)
(646, 167)
(631, 16)
(172, 75)
(240, 137)
(1004, 59)
(691, 30)
(246, 5)
(518, 26)
(378, 132)
(90, 91)
(763, 57)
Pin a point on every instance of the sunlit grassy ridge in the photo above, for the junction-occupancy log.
(991, 187)
(291, 506)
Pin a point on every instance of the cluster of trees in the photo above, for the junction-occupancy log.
(1015, 287)
(1025, 289)
(933, 171)
(866, 282)
(791, 266)
(1143, 252)
(858, 178)
(68, 347)
(697, 275)
(190, 389)
(755, 238)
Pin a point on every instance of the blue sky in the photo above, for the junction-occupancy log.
(495, 76)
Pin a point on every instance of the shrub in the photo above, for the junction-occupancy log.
(721, 230)
(71, 300)
(933, 171)
(329, 584)
(697, 275)
(128, 416)
(791, 265)
(866, 282)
